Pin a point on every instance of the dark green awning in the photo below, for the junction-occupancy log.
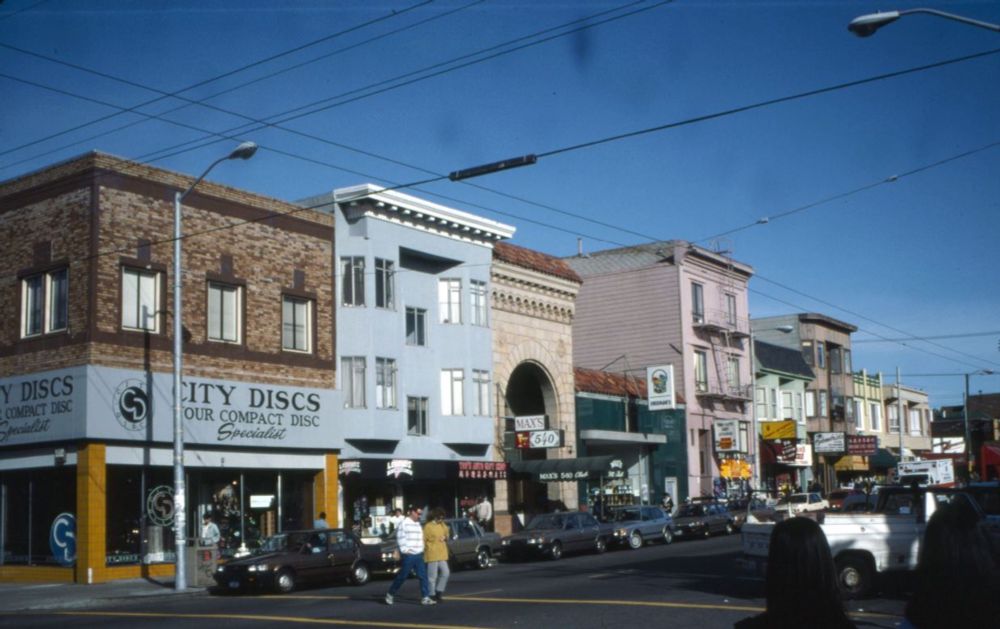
(882, 460)
(582, 468)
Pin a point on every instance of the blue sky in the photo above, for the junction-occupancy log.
(915, 257)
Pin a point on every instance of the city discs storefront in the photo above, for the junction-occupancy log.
(86, 469)
(373, 488)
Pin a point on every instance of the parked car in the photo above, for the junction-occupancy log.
(552, 534)
(469, 544)
(741, 510)
(702, 519)
(800, 503)
(858, 503)
(637, 525)
(837, 496)
(287, 560)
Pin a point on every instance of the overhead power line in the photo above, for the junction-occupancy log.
(923, 338)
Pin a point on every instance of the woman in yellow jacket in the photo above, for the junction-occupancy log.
(436, 553)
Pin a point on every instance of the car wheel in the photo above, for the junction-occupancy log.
(555, 552)
(483, 558)
(668, 535)
(635, 540)
(360, 574)
(600, 545)
(729, 528)
(285, 581)
(854, 576)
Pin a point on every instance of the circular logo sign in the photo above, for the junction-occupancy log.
(160, 506)
(660, 381)
(131, 405)
(62, 539)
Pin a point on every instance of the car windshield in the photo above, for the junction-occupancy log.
(550, 521)
(691, 510)
(273, 544)
(623, 515)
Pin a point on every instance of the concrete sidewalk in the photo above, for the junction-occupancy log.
(26, 596)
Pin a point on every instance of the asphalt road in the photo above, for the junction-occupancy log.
(686, 584)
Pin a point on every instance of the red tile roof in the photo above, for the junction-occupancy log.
(609, 383)
(534, 260)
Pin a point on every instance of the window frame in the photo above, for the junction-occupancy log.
(385, 283)
(808, 351)
(731, 309)
(309, 304)
(237, 312)
(698, 302)
(450, 300)
(353, 373)
(700, 371)
(419, 316)
(481, 384)
(385, 383)
(478, 303)
(875, 410)
(453, 392)
(352, 273)
(823, 403)
(733, 372)
(417, 416)
(157, 282)
(49, 299)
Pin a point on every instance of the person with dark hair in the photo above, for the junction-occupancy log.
(958, 576)
(801, 581)
(436, 553)
(410, 538)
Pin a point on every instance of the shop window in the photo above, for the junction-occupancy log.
(45, 303)
(385, 283)
(139, 516)
(296, 324)
(31, 502)
(352, 270)
(416, 326)
(479, 306)
(140, 300)
(450, 301)
(225, 307)
(416, 416)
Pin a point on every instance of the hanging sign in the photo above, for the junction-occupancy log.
(538, 439)
(660, 387)
(530, 422)
(829, 443)
(770, 431)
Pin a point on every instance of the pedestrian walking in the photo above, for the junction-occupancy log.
(801, 582)
(210, 535)
(483, 512)
(436, 553)
(668, 503)
(410, 539)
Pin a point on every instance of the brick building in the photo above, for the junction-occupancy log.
(85, 368)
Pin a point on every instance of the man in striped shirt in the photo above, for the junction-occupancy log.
(410, 538)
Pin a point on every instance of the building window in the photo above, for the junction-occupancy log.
(416, 326)
(224, 312)
(45, 306)
(773, 393)
(296, 324)
(859, 420)
(787, 409)
(385, 279)
(807, 353)
(698, 302)
(731, 309)
(481, 380)
(733, 372)
(450, 300)
(385, 383)
(810, 404)
(893, 414)
(798, 408)
(700, 371)
(416, 416)
(140, 300)
(848, 367)
(479, 305)
(821, 354)
(451, 392)
(836, 358)
(352, 370)
(915, 422)
(762, 403)
(352, 271)
(823, 406)
(875, 410)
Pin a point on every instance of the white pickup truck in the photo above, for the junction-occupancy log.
(865, 544)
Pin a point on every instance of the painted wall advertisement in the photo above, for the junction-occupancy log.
(96, 402)
(660, 387)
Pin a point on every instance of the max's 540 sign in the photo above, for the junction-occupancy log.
(538, 439)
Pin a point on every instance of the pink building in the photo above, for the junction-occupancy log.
(674, 303)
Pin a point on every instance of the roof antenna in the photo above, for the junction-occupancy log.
(579, 247)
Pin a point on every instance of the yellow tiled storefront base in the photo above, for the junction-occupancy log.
(325, 487)
(35, 574)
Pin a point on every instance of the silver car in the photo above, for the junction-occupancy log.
(469, 544)
(637, 525)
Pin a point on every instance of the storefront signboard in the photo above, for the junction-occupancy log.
(864, 445)
(489, 470)
(727, 435)
(160, 505)
(829, 443)
(777, 430)
(660, 387)
(538, 439)
(399, 467)
(261, 501)
(530, 422)
(62, 539)
(42, 407)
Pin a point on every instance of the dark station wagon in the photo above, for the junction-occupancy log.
(287, 560)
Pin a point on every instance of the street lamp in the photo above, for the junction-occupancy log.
(755, 461)
(866, 25)
(965, 413)
(243, 151)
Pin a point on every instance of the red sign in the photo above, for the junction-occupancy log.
(489, 470)
(864, 445)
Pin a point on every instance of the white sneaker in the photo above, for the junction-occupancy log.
(428, 601)
(389, 600)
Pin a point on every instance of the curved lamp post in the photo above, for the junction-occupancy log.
(243, 151)
(866, 25)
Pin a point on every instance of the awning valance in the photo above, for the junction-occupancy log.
(581, 468)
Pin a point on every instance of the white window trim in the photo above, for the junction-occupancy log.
(47, 296)
(450, 300)
(222, 288)
(479, 303)
(385, 393)
(351, 269)
(419, 317)
(452, 392)
(422, 409)
(308, 303)
(386, 269)
(481, 383)
(154, 316)
(352, 380)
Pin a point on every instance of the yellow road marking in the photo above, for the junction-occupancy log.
(307, 597)
(290, 619)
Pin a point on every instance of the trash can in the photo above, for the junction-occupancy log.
(200, 562)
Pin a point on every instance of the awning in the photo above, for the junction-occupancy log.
(581, 468)
(989, 457)
(882, 460)
(619, 438)
(851, 463)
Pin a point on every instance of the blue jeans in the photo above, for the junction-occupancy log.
(412, 563)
